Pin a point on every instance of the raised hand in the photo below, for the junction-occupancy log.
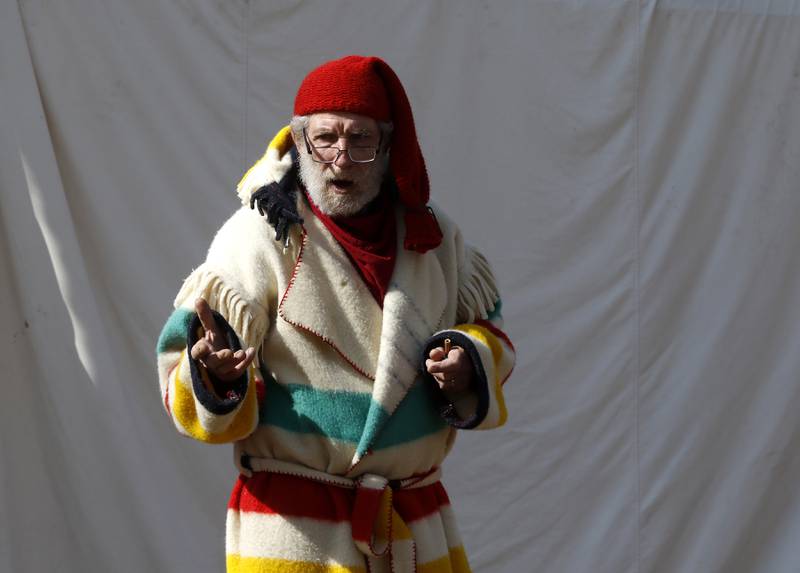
(452, 371)
(213, 352)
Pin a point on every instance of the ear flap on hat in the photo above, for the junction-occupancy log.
(408, 165)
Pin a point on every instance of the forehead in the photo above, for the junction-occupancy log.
(342, 122)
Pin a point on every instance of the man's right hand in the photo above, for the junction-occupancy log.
(213, 352)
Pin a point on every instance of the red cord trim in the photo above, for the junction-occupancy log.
(328, 341)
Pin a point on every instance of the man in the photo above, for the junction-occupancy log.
(340, 357)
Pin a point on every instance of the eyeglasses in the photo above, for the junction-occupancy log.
(330, 154)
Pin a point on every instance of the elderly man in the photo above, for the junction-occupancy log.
(340, 356)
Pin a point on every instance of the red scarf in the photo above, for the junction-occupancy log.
(370, 241)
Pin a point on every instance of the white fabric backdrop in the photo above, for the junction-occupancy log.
(630, 167)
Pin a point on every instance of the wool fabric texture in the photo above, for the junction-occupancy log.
(369, 86)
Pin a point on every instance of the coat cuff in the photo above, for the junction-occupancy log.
(217, 396)
(468, 411)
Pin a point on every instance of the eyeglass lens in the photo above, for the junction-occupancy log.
(356, 154)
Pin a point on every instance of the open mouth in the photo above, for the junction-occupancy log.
(341, 185)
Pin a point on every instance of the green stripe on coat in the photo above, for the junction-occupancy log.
(415, 417)
(173, 335)
(349, 416)
(497, 312)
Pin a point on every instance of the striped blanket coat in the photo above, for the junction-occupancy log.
(337, 428)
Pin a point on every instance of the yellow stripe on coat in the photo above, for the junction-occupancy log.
(184, 410)
(281, 143)
(239, 564)
(484, 335)
(455, 562)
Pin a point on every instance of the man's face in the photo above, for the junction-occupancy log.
(343, 187)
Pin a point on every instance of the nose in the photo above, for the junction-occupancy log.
(343, 159)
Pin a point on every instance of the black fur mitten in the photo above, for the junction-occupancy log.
(278, 201)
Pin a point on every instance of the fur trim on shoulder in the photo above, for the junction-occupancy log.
(477, 291)
(248, 322)
(273, 165)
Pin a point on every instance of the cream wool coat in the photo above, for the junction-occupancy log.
(338, 386)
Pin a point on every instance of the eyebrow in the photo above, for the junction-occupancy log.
(360, 131)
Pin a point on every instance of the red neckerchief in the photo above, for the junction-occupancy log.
(370, 241)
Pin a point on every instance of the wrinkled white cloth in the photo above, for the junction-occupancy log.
(628, 166)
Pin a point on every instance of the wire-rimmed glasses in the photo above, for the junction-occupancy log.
(330, 153)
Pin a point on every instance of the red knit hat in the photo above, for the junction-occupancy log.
(368, 86)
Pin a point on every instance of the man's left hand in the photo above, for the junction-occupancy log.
(453, 372)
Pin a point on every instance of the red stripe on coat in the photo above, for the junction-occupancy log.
(291, 496)
(366, 506)
(261, 391)
(418, 503)
(301, 497)
(166, 392)
(496, 331)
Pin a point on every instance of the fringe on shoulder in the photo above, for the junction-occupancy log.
(249, 323)
(477, 291)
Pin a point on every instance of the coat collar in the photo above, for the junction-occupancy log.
(327, 298)
(413, 309)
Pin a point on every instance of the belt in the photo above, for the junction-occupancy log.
(378, 530)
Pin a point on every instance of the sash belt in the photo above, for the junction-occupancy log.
(378, 530)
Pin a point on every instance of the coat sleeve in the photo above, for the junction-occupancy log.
(200, 406)
(479, 331)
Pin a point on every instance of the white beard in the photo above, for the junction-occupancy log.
(366, 178)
